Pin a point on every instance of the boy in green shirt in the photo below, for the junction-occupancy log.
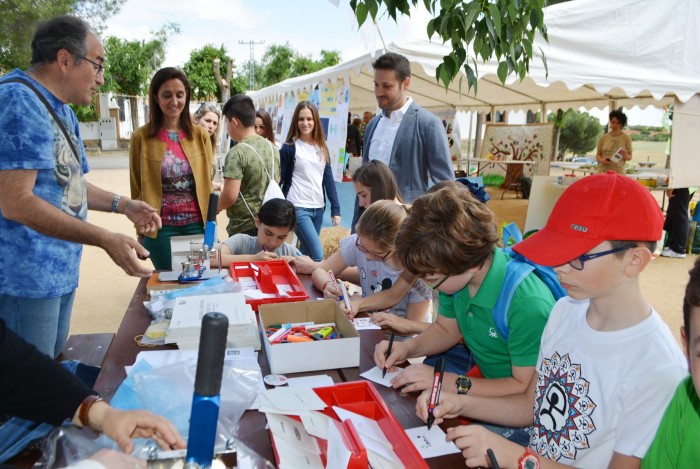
(677, 441)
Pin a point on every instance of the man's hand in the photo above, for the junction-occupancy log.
(144, 217)
(335, 220)
(124, 250)
(123, 425)
(399, 354)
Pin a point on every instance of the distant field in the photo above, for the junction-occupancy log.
(649, 151)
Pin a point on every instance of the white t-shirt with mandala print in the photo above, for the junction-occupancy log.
(601, 392)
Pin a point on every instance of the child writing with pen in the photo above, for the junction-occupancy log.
(608, 365)
(371, 249)
(275, 220)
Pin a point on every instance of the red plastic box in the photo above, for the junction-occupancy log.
(268, 276)
(361, 398)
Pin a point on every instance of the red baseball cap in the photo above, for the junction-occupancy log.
(597, 208)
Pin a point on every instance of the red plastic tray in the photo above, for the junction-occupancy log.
(268, 275)
(361, 398)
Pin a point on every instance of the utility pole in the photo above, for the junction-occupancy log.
(252, 44)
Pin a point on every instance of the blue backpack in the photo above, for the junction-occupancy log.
(516, 270)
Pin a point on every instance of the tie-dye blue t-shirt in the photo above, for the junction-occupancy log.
(35, 265)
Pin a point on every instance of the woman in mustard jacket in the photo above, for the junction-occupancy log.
(170, 160)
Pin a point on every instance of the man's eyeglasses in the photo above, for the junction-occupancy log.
(436, 285)
(99, 68)
(361, 248)
(580, 261)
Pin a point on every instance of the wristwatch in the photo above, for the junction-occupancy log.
(529, 460)
(464, 384)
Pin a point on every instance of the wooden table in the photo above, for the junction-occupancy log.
(124, 349)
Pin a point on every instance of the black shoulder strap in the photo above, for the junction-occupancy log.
(42, 98)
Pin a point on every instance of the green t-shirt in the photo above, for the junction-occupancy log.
(677, 441)
(526, 318)
(243, 164)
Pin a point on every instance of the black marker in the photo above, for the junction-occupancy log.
(388, 352)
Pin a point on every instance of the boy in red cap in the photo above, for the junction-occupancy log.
(608, 364)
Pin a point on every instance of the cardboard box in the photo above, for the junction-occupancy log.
(310, 356)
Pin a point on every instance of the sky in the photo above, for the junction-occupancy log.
(308, 25)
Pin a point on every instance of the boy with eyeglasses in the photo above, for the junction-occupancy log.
(449, 241)
(608, 364)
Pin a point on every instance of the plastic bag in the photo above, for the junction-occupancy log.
(167, 391)
(161, 304)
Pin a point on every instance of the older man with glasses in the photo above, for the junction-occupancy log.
(44, 197)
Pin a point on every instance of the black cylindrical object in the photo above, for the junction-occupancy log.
(213, 205)
(212, 347)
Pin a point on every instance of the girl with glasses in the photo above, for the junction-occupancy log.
(371, 250)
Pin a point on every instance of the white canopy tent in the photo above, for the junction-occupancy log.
(633, 52)
(600, 53)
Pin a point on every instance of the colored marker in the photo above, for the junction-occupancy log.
(323, 333)
(280, 332)
(345, 296)
(437, 386)
(388, 352)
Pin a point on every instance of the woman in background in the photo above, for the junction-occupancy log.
(263, 126)
(307, 177)
(208, 116)
(170, 161)
(614, 147)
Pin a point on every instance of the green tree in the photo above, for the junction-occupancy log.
(20, 17)
(282, 61)
(579, 133)
(504, 29)
(200, 71)
(131, 64)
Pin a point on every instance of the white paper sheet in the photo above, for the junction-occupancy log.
(316, 424)
(291, 399)
(292, 456)
(337, 454)
(431, 443)
(316, 381)
(375, 375)
(363, 324)
(283, 427)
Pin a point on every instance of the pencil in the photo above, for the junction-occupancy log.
(388, 352)
(492, 458)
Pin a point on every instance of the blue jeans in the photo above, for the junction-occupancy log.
(458, 359)
(308, 228)
(43, 322)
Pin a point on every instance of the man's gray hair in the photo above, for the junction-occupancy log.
(62, 32)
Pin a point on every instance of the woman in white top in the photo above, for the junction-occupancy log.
(307, 177)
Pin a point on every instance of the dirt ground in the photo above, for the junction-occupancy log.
(105, 290)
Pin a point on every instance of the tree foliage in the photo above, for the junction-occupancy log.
(476, 29)
(200, 71)
(131, 64)
(282, 61)
(579, 131)
(20, 17)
